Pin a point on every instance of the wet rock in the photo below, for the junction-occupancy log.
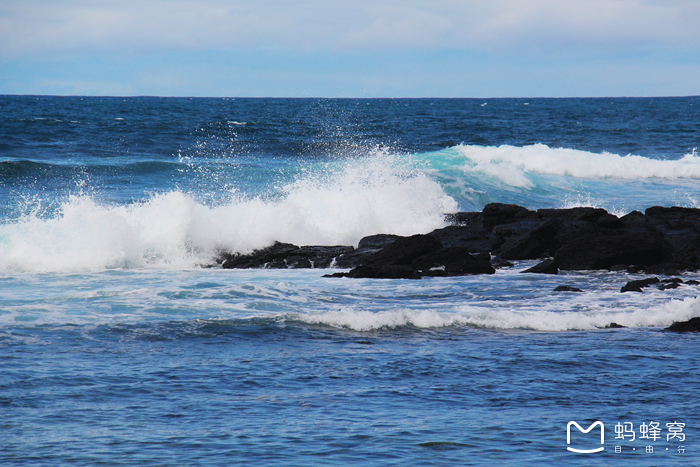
(692, 325)
(465, 218)
(581, 213)
(638, 285)
(274, 254)
(395, 261)
(499, 263)
(673, 213)
(613, 326)
(609, 221)
(567, 288)
(285, 255)
(497, 213)
(548, 266)
(475, 239)
(603, 250)
(376, 242)
(455, 261)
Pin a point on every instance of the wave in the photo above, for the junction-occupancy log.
(511, 164)
(505, 319)
(173, 229)
(25, 168)
(538, 176)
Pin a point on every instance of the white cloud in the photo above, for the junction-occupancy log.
(40, 27)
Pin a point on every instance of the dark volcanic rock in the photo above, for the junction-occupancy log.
(395, 261)
(496, 213)
(475, 219)
(499, 263)
(377, 242)
(605, 249)
(638, 285)
(613, 326)
(475, 239)
(579, 214)
(285, 255)
(567, 288)
(692, 325)
(673, 213)
(421, 255)
(259, 258)
(316, 256)
(548, 266)
(455, 261)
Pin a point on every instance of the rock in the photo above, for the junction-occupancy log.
(275, 254)
(455, 261)
(603, 250)
(476, 239)
(692, 325)
(665, 269)
(510, 233)
(285, 255)
(567, 288)
(580, 214)
(673, 213)
(316, 256)
(613, 326)
(395, 261)
(532, 245)
(465, 218)
(377, 242)
(499, 263)
(638, 285)
(609, 221)
(548, 266)
(496, 213)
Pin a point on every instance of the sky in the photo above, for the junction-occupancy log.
(351, 48)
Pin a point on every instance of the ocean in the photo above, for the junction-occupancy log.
(122, 343)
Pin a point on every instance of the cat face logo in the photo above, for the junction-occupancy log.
(585, 451)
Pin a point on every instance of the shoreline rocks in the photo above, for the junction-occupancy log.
(662, 240)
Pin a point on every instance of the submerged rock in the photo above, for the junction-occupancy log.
(638, 285)
(567, 288)
(548, 266)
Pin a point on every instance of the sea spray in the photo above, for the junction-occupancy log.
(337, 206)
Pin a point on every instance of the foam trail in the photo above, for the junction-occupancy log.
(494, 318)
(338, 206)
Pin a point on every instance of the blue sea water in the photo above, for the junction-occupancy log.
(117, 347)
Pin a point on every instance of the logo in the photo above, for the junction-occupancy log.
(585, 451)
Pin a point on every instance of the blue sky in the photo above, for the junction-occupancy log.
(360, 48)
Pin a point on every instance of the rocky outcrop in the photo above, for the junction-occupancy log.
(419, 256)
(692, 325)
(285, 255)
(638, 285)
(661, 240)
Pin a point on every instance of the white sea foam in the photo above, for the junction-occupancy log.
(511, 164)
(337, 206)
(511, 318)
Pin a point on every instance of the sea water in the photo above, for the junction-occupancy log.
(119, 345)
